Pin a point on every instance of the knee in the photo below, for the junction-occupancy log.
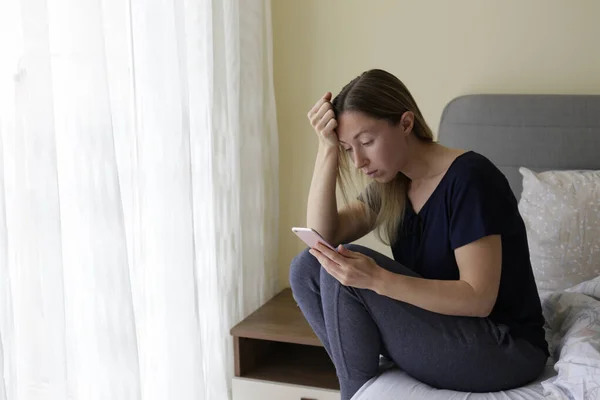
(304, 271)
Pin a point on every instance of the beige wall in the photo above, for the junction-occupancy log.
(440, 49)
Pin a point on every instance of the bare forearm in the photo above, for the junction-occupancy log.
(322, 213)
(443, 297)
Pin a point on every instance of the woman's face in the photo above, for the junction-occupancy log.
(378, 148)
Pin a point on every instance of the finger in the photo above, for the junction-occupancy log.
(316, 107)
(318, 255)
(329, 131)
(331, 267)
(325, 99)
(327, 117)
(330, 127)
(346, 252)
(320, 114)
(331, 254)
(326, 262)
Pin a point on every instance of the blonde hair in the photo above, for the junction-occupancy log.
(380, 95)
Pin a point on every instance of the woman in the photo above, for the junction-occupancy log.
(458, 306)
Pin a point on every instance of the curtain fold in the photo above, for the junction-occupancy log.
(138, 194)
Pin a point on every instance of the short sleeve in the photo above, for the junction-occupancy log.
(479, 207)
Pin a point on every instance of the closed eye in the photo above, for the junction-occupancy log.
(367, 143)
(348, 150)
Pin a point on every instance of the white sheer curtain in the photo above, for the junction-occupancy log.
(138, 194)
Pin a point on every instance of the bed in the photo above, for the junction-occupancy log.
(538, 133)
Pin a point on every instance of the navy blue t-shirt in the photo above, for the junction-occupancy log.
(474, 200)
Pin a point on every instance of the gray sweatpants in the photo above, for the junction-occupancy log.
(356, 326)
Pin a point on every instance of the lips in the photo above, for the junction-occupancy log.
(371, 173)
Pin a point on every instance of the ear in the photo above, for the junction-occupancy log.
(407, 122)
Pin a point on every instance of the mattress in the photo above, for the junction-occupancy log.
(395, 384)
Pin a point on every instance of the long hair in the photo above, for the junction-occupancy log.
(380, 95)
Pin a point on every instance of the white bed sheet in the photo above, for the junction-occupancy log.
(573, 335)
(395, 384)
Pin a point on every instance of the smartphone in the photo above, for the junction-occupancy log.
(311, 237)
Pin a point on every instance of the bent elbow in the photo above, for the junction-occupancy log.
(485, 309)
(485, 313)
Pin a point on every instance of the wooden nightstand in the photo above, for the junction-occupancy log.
(278, 356)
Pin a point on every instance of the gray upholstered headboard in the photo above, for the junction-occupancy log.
(540, 132)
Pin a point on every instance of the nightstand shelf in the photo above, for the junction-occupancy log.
(277, 355)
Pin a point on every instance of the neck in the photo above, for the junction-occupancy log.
(421, 163)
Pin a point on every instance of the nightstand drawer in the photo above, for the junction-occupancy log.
(253, 389)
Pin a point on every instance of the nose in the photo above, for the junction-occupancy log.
(359, 159)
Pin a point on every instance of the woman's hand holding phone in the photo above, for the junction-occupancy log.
(350, 268)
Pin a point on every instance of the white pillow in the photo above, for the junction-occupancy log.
(561, 210)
